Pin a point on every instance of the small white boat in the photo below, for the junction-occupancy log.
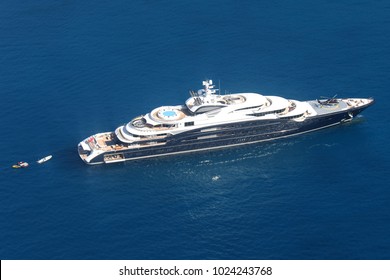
(42, 160)
(20, 164)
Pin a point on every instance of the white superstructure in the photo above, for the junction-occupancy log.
(206, 108)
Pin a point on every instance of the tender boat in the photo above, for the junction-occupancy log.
(209, 120)
(20, 164)
(42, 160)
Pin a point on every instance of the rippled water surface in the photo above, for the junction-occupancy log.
(70, 69)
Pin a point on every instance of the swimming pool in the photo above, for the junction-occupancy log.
(169, 114)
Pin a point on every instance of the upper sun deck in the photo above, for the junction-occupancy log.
(207, 99)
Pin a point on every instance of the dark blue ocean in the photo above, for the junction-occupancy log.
(70, 69)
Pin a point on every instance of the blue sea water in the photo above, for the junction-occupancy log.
(69, 69)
